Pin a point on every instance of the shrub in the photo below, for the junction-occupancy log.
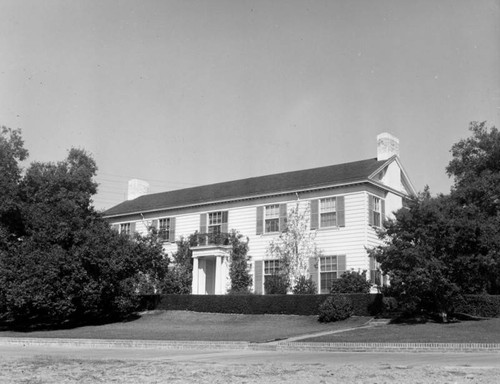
(276, 285)
(478, 305)
(351, 282)
(305, 286)
(335, 308)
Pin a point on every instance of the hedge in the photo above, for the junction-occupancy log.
(478, 305)
(363, 304)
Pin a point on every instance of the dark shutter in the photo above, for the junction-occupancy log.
(370, 210)
(382, 216)
(260, 221)
(340, 211)
(171, 235)
(259, 276)
(313, 270)
(132, 229)
(283, 214)
(203, 223)
(314, 214)
(341, 265)
(224, 226)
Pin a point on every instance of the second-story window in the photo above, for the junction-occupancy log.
(164, 229)
(328, 212)
(215, 222)
(376, 208)
(272, 218)
(125, 229)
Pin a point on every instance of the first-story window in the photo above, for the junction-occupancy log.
(164, 229)
(125, 229)
(271, 268)
(328, 272)
(272, 218)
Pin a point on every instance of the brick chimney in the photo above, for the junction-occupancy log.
(137, 188)
(387, 146)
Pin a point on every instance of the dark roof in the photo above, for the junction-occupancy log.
(252, 187)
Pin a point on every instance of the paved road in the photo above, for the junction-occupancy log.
(70, 365)
(478, 360)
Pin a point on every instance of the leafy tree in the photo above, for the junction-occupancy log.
(67, 264)
(12, 151)
(351, 282)
(446, 245)
(241, 280)
(180, 276)
(295, 246)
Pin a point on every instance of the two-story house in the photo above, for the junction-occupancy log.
(346, 203)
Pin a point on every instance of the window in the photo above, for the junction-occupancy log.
(125, 229)
(328, 212)
(164, 229)
(271, 267)
(272, 218)
(328, 269)
(375, 211)
(215, 222)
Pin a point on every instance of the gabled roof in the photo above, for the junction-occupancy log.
(333, 175)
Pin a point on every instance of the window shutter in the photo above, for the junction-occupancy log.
(313, 270)
(260, 220)
(340, 211)
(314, 214)
(259, 276)
(224, 226)
(171, 235)
(283, 214)
(132, 229)
(203, 223)
(341, 265)
(382, 208)
(154, 224)
(115, 227)
(370, 210)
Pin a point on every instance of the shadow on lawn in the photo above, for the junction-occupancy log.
(433, 318)
(33, 326)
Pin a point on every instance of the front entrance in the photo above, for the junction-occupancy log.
(210, 270)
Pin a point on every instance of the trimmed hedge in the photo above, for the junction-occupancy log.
(363, 304)
(478, 305)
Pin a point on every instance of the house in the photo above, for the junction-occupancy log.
(346, 202)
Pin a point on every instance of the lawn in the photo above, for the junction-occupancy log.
(481, 331)
(184, 325)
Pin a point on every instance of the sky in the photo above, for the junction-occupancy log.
(186, 93)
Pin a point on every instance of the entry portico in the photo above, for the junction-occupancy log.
(211, 269)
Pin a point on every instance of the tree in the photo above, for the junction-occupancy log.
(12, 151)
(414, 256)
(180, 276)
(66, 264)
(295, 246)
(241, 280)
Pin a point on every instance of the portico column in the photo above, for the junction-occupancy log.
(218, 275)
(194, 290)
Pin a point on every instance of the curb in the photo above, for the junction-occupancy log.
(282, 346)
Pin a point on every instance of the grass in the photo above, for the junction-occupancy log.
(480, 331)
(184, 325)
